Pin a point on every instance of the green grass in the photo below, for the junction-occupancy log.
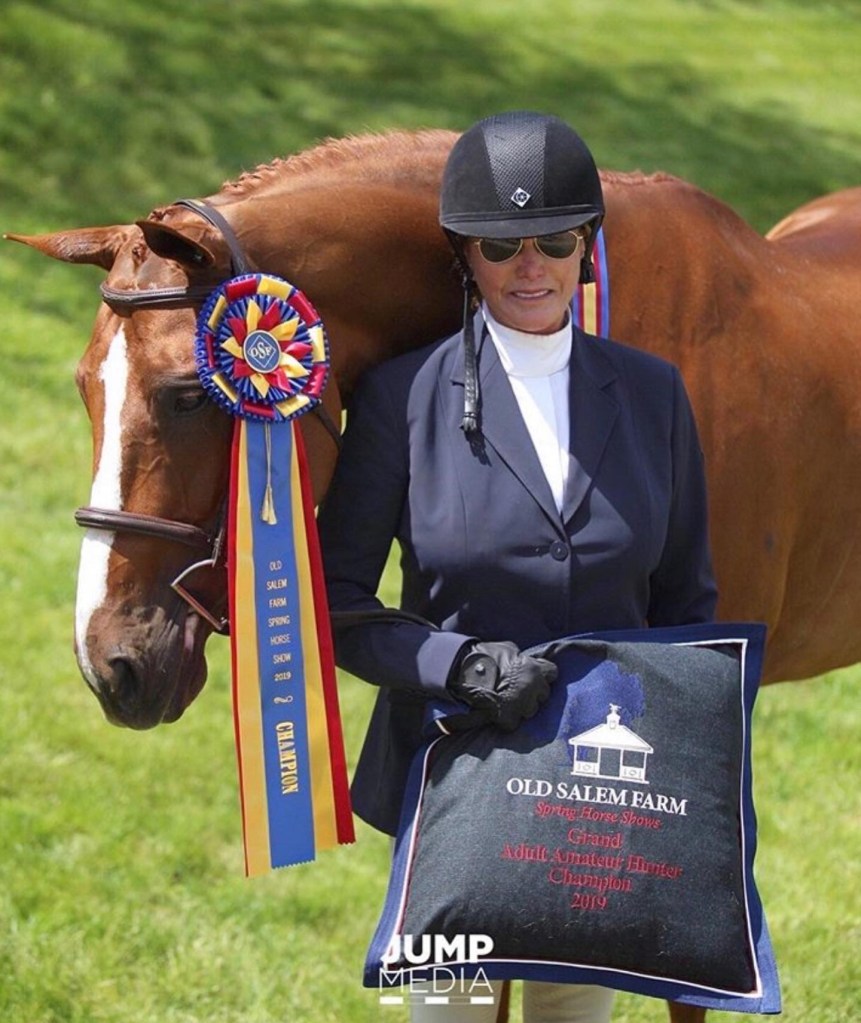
(122, 896)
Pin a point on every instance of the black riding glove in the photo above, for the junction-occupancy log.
(502, 685)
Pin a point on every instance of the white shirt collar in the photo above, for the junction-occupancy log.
(529, 355)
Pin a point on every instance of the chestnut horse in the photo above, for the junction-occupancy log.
(763, 329)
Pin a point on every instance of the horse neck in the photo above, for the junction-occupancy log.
(368, 253)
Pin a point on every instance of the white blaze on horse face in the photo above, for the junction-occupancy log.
(96, 547)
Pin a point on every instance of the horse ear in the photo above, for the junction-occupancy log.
(170, 243)
(96, 245)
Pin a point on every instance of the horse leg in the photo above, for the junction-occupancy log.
(505, 1003)
(686, 1013)
(678, 1013)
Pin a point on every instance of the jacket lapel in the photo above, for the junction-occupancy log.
(593, 412)
(502, 424)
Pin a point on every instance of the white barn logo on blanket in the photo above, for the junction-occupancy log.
(610, 750)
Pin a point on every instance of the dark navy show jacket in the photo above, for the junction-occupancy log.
(484, 551)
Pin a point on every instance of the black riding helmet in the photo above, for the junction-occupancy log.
(516, 175)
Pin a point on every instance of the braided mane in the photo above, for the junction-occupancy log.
(611, 177)
(383, 155)
(389, 155)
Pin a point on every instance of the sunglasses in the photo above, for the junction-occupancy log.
(555, 246)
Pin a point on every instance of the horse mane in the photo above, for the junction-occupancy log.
(637, 177)
(683, 197)
(381, 154)
(416, 157)
(388, 155)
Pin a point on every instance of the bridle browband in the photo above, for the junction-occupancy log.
(211, 544)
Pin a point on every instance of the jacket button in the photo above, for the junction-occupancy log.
(559, 550)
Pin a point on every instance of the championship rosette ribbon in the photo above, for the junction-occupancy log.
(262, 354)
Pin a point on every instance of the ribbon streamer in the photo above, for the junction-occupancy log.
(262, 355)
(591, 302)
(290, 749)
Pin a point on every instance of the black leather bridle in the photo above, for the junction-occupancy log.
(210, 544)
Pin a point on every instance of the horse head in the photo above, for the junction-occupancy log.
(159, 453)
(151, 584)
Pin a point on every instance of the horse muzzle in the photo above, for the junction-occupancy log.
(145, 668)
(142, 652)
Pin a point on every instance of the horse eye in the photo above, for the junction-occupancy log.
(183, 403)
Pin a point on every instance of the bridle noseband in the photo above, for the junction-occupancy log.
(110, 520)
(210, 544)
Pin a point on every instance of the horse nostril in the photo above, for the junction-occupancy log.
(122, 689)
(120, 679)
(124, 696)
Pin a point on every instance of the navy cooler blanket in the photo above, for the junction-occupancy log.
(609, 840)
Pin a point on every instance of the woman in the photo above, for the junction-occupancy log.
(539, 482)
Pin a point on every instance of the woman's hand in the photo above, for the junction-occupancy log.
(502, 685)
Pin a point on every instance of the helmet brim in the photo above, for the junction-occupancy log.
(530, 225)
